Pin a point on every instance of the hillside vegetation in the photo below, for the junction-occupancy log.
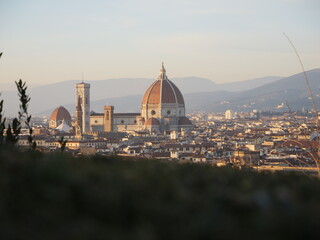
(57, 196)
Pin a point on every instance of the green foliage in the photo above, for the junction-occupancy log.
(13, 132)
(56, 196)
(23, 113)
(2, 120)
(23, 97)
(14, 129)
(2, 123)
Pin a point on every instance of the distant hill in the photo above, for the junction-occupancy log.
(248, 84)
(199, 94)
(47, 97)
(292, 90)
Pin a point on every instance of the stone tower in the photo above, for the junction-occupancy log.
(83, 107)
(108, 118)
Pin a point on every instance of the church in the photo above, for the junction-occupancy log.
(162, 109)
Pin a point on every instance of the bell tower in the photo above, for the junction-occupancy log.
(83, 107)
(108, 118)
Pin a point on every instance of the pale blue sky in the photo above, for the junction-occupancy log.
(47, 41)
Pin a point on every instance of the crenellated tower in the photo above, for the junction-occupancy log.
(108, 118)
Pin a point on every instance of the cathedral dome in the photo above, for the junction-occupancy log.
(60, 114)
(162, 91)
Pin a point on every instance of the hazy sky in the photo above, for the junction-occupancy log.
(48, 41)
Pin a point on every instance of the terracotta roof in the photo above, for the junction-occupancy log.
(162, 90)
(115, 114)
(197, 155)
(60, 113)
(152, 121)
(126, 114)
(184, 121)
(205, 145)
(169, 94)
(160, 154)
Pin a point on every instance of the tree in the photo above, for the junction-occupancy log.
(62, 143)
(14, 129)
(2, 122)
(24, 116)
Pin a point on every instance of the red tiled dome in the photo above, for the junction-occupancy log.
(152, 121)
(184, 121)
(60, 113)
(162, 91)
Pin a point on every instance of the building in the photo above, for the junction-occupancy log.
(162, 109)
(82, 108)
(229, 114)
(245, 157)
(63, 127)
(59, 115)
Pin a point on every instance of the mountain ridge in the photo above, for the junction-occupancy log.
(62, 93)
(197, 92)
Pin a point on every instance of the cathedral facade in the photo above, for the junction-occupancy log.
(162, 109)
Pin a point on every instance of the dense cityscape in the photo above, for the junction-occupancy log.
(262, 140)
(252, 139)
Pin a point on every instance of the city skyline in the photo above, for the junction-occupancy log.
(224, 41)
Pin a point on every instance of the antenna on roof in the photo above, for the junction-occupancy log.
(82, 77)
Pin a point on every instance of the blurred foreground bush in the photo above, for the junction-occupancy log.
(57, 196)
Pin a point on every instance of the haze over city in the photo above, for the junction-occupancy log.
(51, 41)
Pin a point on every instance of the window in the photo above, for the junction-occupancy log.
(153, 112)
(168, 112)
(122, 121)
